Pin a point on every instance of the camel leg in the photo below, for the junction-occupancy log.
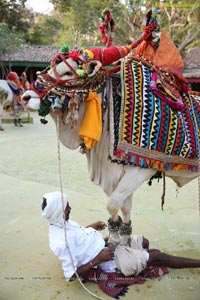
(1, 115)
(121, 198)
(3, 97)
(125, 230)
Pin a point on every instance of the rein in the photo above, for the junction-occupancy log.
(62, 57)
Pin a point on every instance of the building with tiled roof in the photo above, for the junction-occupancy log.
(192, 68)
(29, 59)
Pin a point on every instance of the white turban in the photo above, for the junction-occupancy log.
(53, 211)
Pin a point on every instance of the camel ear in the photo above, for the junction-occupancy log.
(93, 67)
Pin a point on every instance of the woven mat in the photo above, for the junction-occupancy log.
(116, 284)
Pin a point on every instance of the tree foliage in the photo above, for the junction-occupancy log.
(80, 20)
(15, 15)
(45, 31)
(9, 39)
(180, 19)
(76, 22)
(15, 21)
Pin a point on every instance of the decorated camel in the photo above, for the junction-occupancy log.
(132, 118)
(10, 96)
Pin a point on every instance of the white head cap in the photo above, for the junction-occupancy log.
(53, 211)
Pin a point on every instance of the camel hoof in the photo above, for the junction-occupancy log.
(125, 232)
(113, 228)
(114, 225)
(126, 228)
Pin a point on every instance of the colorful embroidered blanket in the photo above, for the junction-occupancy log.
(146, 130)
(116, 284)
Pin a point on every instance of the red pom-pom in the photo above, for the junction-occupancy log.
(74, 55)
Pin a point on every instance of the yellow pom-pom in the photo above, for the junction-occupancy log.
(88, 54)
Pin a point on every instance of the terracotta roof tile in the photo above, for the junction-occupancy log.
(192, 63)
(39, 54)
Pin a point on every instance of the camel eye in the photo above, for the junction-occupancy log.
(68, 73)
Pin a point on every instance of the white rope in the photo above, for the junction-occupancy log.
(65, 231)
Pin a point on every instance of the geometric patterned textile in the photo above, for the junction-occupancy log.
(116, 284)
(146, 130)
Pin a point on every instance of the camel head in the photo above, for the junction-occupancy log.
(72, 71)
(77, 71)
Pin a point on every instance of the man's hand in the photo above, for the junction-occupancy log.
(105, 255)
(145, 243)
(99, 225)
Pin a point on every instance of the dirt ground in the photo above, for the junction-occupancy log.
(29, 169)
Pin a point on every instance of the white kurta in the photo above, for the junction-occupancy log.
(84, 244)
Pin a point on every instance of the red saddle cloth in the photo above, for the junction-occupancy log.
(116, 284)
